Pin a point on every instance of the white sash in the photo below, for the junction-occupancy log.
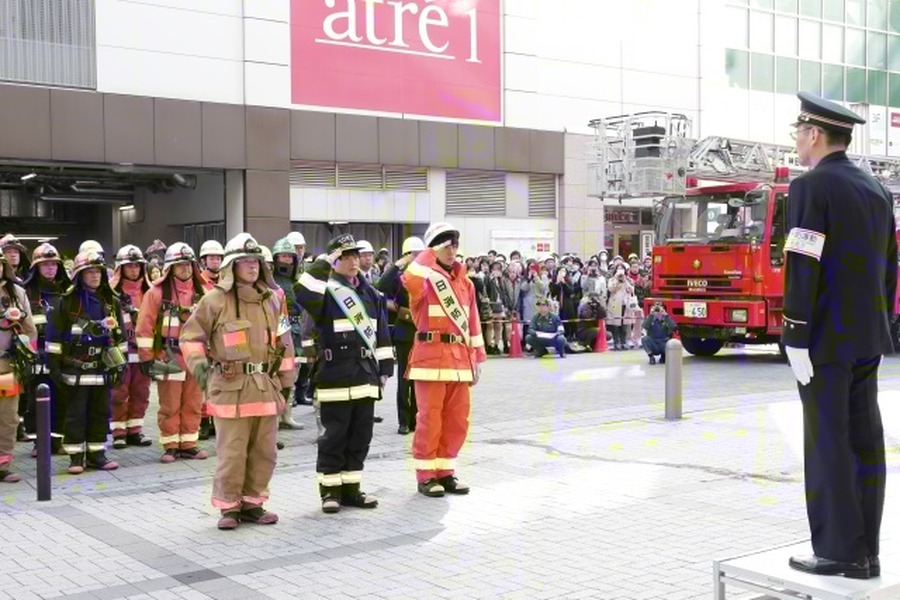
(450, 303)
(355, 311)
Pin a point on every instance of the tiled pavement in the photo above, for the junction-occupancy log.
(580, 490)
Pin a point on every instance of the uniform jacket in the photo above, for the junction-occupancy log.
(80, 329)
(436, 360)
(132, 295)
(13, 295)
(166, 305)
(240, 324)
(659, 328)
(343, 371)
(546, 327)
(391, 285)
(294, 313)
(841, 267)
(43, 295)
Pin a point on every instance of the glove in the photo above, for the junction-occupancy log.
(800, 363)
(147, 368)
(201, 374)
(476, 374)
(384, 379)
(286, 394)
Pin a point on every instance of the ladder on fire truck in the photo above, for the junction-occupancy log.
(652, 154)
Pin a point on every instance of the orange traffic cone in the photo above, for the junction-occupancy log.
(515, 340)
(600, 344)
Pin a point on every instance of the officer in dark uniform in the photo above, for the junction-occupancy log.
(403, 332)
(354, 361)
(841, 275)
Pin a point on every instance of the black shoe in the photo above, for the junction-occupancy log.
(351, 495)
(119, 442)
(662, 359)
(98, 460)
(652, 360)
(138, 439)
(874, 567)
(403, 430)
(279, 445)
(305, 402)
(21, 436)
(377, 419)
(824, 566)
(431, 488)
(452, 485)
(205, 426)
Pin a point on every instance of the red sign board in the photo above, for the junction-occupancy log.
(895, 119)
(437, 58)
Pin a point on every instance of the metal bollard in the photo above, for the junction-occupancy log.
(42, 403)
(673, 380)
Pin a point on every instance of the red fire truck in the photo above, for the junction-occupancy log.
(721, 223)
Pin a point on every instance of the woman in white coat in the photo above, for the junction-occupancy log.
(618, 315)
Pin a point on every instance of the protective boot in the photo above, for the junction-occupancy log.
(285, 421)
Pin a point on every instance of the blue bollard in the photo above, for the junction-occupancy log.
(42, 402)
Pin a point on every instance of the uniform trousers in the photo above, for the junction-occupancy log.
(180, 405)
(245, 460)
(844, 459)
(87, 417)
(406, 391)
(9, 421)
(130, 401)
(344, 445)
(301, 382)
(652, 347)
(442, 424)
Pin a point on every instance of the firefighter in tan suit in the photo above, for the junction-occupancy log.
(237, 344)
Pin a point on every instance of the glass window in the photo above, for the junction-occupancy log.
(787, 80)
(737, 66)
(762, 4)
(736, 25)
(810, 77)
(856, 12)
(895, 16)
(877, 16)
(762, 30)
(833, 82)
(811, 8)
(894, 52)
(856, 47)
(787, 6)
(894, 90)
(834, 10)
(856, 85)
(877, 51)
(877, 88)
(833, 43)
(810, 39)
(762, 72)
(786, 36)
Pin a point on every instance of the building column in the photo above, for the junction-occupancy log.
(267, 185)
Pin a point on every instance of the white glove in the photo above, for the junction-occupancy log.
(800, 363)
(476, 374)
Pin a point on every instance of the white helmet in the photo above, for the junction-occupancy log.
(267, 254)
(365, 246)
(436, 230)
(178, 252)
(243, 245)
(211, 247)
(412, 244)
(296, 238)
(129, 254)
(91, 246)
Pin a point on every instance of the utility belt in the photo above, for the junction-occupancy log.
(437, 336)
(236, 367)
(345, 353)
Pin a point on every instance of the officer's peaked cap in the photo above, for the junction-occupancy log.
(344, 242)
(826, 114)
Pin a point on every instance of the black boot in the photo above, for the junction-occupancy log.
(97, 460)
(205, 425)
(137, 439)
(352, 496)
(331, 498)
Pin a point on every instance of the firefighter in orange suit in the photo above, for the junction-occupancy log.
(446, 358)
(164, 309)
(131, 397)
(247, 372)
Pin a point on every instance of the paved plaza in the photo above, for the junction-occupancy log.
(579, 490)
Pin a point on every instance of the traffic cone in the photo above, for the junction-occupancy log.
(515, 340)
(600, 344)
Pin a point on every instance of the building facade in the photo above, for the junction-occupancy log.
(187, 119)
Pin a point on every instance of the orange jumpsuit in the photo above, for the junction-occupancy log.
(131, 397)
(180, 398)
(442, 369)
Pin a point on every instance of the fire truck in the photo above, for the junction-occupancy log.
(721, 222)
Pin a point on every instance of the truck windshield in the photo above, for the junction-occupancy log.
(720, 219)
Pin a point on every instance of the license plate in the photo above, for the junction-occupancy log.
(695, 310)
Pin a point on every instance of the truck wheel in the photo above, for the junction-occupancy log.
(701, 346)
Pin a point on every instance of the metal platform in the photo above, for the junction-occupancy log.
(768, 572)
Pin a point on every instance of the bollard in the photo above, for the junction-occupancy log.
(42, 403)
(673, 380)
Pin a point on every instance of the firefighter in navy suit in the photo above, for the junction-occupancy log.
(840, 280)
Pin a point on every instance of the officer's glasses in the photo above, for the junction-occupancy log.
(796, 132)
